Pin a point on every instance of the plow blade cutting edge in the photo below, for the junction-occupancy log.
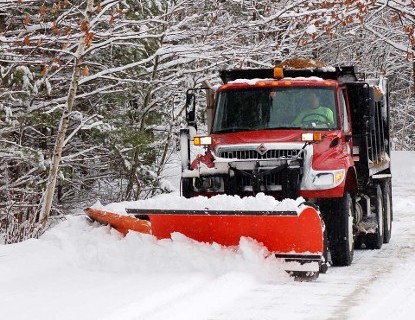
(298, 238)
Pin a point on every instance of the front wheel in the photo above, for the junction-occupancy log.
(187, 187)
(341, 231)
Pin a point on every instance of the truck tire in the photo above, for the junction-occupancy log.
(341, 232)
(375, 240)
(187, 187)
(387, 211)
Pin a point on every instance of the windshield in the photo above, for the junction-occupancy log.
(275, 108)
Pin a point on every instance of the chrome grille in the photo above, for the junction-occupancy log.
(254, 154)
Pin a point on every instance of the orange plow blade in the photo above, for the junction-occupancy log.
(119, 222)
(295, 237)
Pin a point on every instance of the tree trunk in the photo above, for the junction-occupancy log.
(413, 73)
(64, 122)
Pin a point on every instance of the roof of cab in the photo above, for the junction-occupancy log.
(345, 73)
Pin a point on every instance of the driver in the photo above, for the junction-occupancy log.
(314, 112)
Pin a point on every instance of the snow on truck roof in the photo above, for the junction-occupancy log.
(255, 81)
(344, 73)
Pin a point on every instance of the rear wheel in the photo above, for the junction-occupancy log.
(341, 231)
(375, 240)
(387, 211)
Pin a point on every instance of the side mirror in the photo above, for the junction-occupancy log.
(189, 97)
(190, 108)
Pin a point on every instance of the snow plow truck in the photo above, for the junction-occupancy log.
(316, 132)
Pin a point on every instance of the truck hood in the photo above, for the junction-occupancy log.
(273, 136)
(263, 136)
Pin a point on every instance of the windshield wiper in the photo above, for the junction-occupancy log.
(237, 129)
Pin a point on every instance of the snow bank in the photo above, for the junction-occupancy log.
(97, 248)
(173, 201)
(87, 271)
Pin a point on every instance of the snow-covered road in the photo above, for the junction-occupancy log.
(82, 271)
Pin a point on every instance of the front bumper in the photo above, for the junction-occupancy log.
(291, 176)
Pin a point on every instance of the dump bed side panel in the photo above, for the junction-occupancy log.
(370, 126)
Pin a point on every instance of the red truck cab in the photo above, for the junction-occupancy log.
(319, 133)
(286, 137)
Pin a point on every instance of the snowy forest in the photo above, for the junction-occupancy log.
(92, 92)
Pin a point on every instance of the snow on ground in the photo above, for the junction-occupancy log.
(80, 270)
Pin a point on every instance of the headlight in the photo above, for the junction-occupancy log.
(329, 178)
(202, 141)
(323, 179)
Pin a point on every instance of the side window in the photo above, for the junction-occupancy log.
(343, 107)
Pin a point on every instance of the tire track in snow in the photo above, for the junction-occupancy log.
(195, 298)
(342, 292)
(372, 267)
(156, 300)
(206, 301)
(379, 267)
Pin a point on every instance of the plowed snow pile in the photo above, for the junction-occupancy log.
(173, 201)
(82, 270)
(92, 247)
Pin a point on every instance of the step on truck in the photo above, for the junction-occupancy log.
(321, 133)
